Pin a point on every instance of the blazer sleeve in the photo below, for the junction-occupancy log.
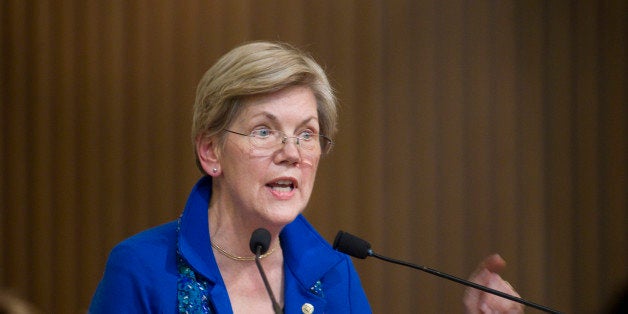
(124, 288)
(358, 301)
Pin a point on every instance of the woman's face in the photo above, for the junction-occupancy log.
(270, 186)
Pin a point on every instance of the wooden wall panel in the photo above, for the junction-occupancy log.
(466, 128)
(420, 147)
(450, 132)
(15, 126)
(42, 165)
(613, 146)
(504, 131)
(477, 124)
(559, 147)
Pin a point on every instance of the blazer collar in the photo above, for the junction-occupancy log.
(194, 242)
(306, 252)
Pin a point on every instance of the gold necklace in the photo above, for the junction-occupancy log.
(242, 258)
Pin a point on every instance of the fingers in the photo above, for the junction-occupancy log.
(498, 304)
(498, 283)
(477, 301)
(486, 274)
(473, 299)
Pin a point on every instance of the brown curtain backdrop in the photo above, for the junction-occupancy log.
(467, 127)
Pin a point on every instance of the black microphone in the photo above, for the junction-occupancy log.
(356, 247)
(260, 241)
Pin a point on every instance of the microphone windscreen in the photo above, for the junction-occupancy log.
(260, 237)
(352, 245)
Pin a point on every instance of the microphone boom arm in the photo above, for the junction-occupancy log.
(464, 282)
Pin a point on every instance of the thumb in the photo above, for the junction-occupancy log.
(493, 263)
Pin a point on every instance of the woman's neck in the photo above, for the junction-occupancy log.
(231, 234)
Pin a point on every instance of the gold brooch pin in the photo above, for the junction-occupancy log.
(307, 308)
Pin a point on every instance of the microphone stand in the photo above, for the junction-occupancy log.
(464, 282)
(276, 306)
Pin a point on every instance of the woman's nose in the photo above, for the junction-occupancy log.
(290, 151)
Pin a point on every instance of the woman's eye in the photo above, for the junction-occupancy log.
(262, 133)
(306, 135)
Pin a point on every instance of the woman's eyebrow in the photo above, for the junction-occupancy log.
(265, 114)
(307, 120)
(273, 117)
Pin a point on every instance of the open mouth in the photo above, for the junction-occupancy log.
(282, 186)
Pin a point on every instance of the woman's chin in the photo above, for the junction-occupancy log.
(282, 216)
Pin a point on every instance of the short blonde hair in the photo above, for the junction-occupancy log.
(258, 68)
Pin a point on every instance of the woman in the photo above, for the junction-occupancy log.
(264, 115)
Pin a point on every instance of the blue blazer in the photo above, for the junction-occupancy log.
(142, 273)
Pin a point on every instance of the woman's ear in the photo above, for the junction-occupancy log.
(208, 154)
